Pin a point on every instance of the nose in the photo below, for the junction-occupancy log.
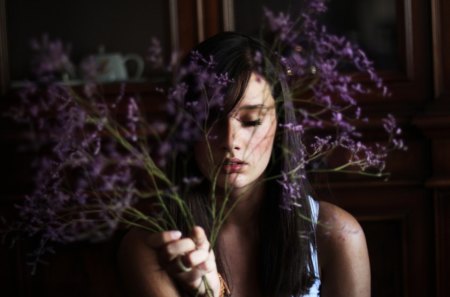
(230, 140)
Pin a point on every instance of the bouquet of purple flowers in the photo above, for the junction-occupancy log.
(104, 159)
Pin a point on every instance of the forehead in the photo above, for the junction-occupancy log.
(257, 93)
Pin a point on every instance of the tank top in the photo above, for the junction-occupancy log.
(314, 290)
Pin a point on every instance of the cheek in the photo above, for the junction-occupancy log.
(260, 145)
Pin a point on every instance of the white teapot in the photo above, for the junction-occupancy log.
(113, 66)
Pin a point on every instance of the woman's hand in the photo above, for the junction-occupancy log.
(187, 259)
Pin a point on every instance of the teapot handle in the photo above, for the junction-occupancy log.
(139, 64)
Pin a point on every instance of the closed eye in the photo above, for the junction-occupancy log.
(253, 123)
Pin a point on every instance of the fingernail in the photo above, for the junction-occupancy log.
(175, 234)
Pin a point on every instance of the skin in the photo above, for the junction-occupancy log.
(147, 261)
(247, 134)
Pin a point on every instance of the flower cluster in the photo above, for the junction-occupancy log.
(99, 157)
(190, 106)
(50, 58)
(325, 96)
(94, 155)
(84, 176)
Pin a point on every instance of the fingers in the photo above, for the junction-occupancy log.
(157, 240)
(194, 252)
(186, 259)
(200, 238)
(178, 248)
(196, 258)
(207, 264)
(202, 258)
(202, 263)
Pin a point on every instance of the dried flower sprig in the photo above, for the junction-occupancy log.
(103, 157)
(325, 96)
(94, 152)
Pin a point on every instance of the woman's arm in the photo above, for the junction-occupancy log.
(148, 265)
(343, 255)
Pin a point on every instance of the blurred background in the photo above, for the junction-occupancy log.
(406, 218)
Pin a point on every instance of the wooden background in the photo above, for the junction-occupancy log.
(406, 219)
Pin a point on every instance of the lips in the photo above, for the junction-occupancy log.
(233, 165)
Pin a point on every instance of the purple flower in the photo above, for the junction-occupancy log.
(394, 132)
(190, 106)
(293, 127)
(292, 190)
(154, 54)
(89, 68)
(192, 181)
(50, 58)
(132, 118)
(282, 25)
(316, 6)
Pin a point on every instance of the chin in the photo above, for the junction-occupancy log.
(234, 181)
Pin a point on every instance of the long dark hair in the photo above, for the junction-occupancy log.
(287, 234)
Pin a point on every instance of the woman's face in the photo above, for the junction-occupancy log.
(239, 147)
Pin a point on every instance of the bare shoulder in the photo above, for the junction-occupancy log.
(343, 255)
(337, 226)
(133, 246)
(134, 238)
(133, 256)
(139, 267)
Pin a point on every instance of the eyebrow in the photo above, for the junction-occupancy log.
(254, 106)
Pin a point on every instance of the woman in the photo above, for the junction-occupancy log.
(264, 248)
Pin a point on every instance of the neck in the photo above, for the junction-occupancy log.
(246, 204)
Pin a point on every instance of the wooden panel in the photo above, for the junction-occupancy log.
(10, 280)
(441, 48)
(436, 125)
(188, 25)
(212, 18)
(441, 158)
(445, 11)
(4, 62)
(442, 210)
(411, 87)
(387, 275)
